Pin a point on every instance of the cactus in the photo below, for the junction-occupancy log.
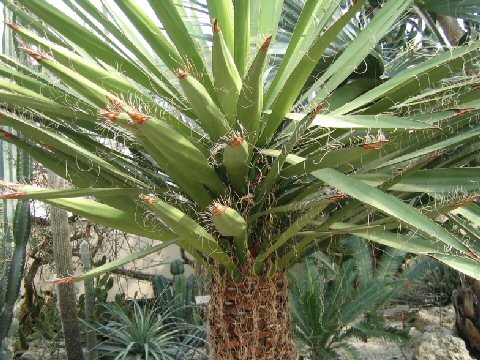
(11, 273)
(89, 301)
(184, 291)
(179, 292)
(182, 303)
(6, 246)
(21, 233)
(161, 288)
(177, 267)
(67, 298)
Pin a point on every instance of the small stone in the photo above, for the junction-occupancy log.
(414, 333)
(440, 344)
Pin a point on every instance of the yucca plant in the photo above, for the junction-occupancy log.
(175, 134)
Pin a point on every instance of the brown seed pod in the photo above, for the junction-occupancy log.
(266, 43)
(460, 112)
(65, 280)
(473, 256)
(110, 115)
(181, 74)
(138, 118)
(433, 158)
(116, 103)
(216, 27)
(338, 197)
(237, 140)
(149, 199)
(218, 209)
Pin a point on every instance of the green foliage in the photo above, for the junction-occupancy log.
(103, 284)
(441, 281)
(142, 332)
(335, 118)
(332, 302)
(436, 288)
(177, 267)
(179, 294)
(21, 233)
(47, 326)
(40, 322)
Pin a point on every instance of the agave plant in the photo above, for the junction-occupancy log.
(146, 333)
(172, 133)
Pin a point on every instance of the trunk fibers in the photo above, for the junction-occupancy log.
(250, 319)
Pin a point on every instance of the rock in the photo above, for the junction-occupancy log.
(29, 356)
(45, 350)
(438, 343)
(435, 316)
(378, 349)
(414, 333)
(435, 329)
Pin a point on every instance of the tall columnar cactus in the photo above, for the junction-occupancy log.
(14, 165)
(13, 253)
(67, 297)
(89, 287)
(7, 171)
(12, 282)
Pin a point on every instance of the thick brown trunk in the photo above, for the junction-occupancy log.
(466, 301)
(250, 320)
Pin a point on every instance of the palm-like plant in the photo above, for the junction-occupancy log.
(328, 300)
(172, 133)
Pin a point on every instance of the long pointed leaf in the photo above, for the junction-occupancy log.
(112, 265)
(388, 204)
